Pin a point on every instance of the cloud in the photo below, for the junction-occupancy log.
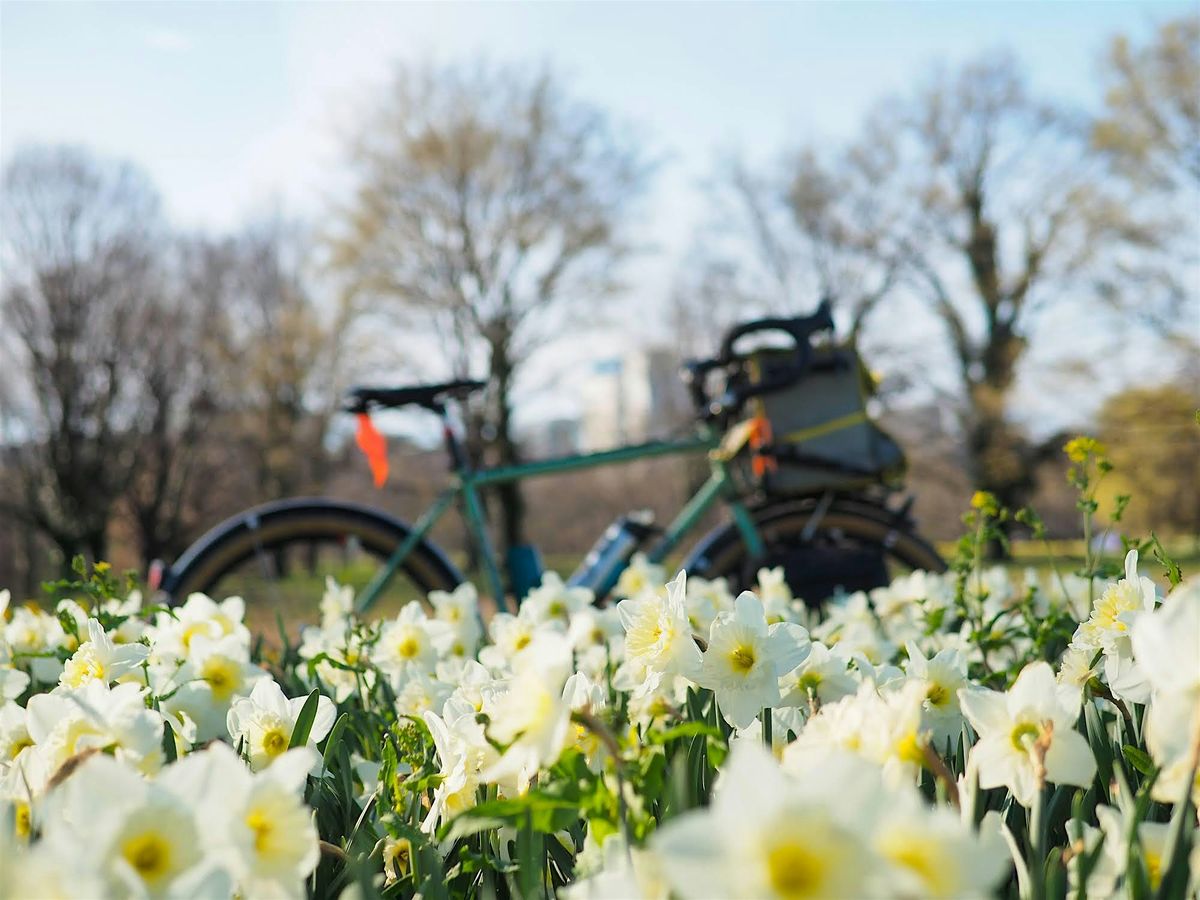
(167, 40)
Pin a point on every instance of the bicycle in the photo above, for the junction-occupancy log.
(835, 531)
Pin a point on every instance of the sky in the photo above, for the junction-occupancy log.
(238, 109)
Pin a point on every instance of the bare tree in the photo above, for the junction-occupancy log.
(80, 237)
(281, 350)
(982, 202)
(178, 465)
(781, 240)
(490, 207)
(1149, 133)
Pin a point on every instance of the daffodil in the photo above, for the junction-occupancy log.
(532, 718)
(139, 838)
(767, 836)
(658, 635)
(822, 677)
(215, 674)
(931, 852)
(99, 659)
(943, 677)
(410, 643)
(640, 576)
(555, 601)
(464, 754)
(258, 824)
(459, 609)
(263, 722)
(115, 720)
(1028, 735)
(746, 658)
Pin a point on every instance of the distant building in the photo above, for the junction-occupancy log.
(553, 437)
(633, 398)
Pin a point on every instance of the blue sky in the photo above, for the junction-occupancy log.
(236, 108)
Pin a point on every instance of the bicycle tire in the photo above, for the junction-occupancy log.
(302, 522)
(847, 525)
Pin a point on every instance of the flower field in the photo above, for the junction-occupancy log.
(966, 735)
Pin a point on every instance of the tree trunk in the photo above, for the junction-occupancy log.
(512, 503)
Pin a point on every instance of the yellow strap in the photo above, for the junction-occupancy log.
(735, 439)
(816, 431)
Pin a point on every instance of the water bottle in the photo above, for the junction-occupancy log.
(606, 560)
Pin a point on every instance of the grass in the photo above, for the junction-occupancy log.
(294, 600)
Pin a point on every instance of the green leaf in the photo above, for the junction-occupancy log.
(1139, 759)
(168, 742)
(686, 730)
(331, 742)
(304, 721)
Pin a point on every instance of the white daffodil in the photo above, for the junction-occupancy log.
(343, 666)
(95, 717)
(931, 852)
(554, 601)
(511, 636)
(465, 755)
(1034, 721)
(765, 836)
(822, 678)
(776, 596)
(640, 576)
(532, 718)
(32, 637)
(943, 676)
(1109, 621)
(198, 615)
(216, 673)
(1166, 644)
(99, 659)
(1151, 847)
(139, 838)
(746, 658)
(410, 643)
(258, 824)
(421, 693)
(658, 636)
(14, 734)
(1078, 666)
(337, 605)
(264, 721)
(459, 609)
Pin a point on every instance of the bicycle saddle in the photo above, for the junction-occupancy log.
(361, 399)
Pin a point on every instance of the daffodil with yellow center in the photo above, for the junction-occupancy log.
(658, 636)
(1028, 734)
(223, 675)
(765, 836)
(746, 657)
(932, 853)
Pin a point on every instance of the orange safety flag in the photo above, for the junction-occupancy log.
(760, 436)
(374, 447)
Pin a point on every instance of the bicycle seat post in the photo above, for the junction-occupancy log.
(454, 446)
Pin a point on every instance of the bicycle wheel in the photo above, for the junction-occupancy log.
(278, 556)
(852, 546)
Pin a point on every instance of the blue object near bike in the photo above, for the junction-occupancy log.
(524, 569)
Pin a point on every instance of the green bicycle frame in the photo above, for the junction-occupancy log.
(467, 484)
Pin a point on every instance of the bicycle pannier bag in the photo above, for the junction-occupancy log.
(819, 434)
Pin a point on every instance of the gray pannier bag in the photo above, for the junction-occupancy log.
(816, 434)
